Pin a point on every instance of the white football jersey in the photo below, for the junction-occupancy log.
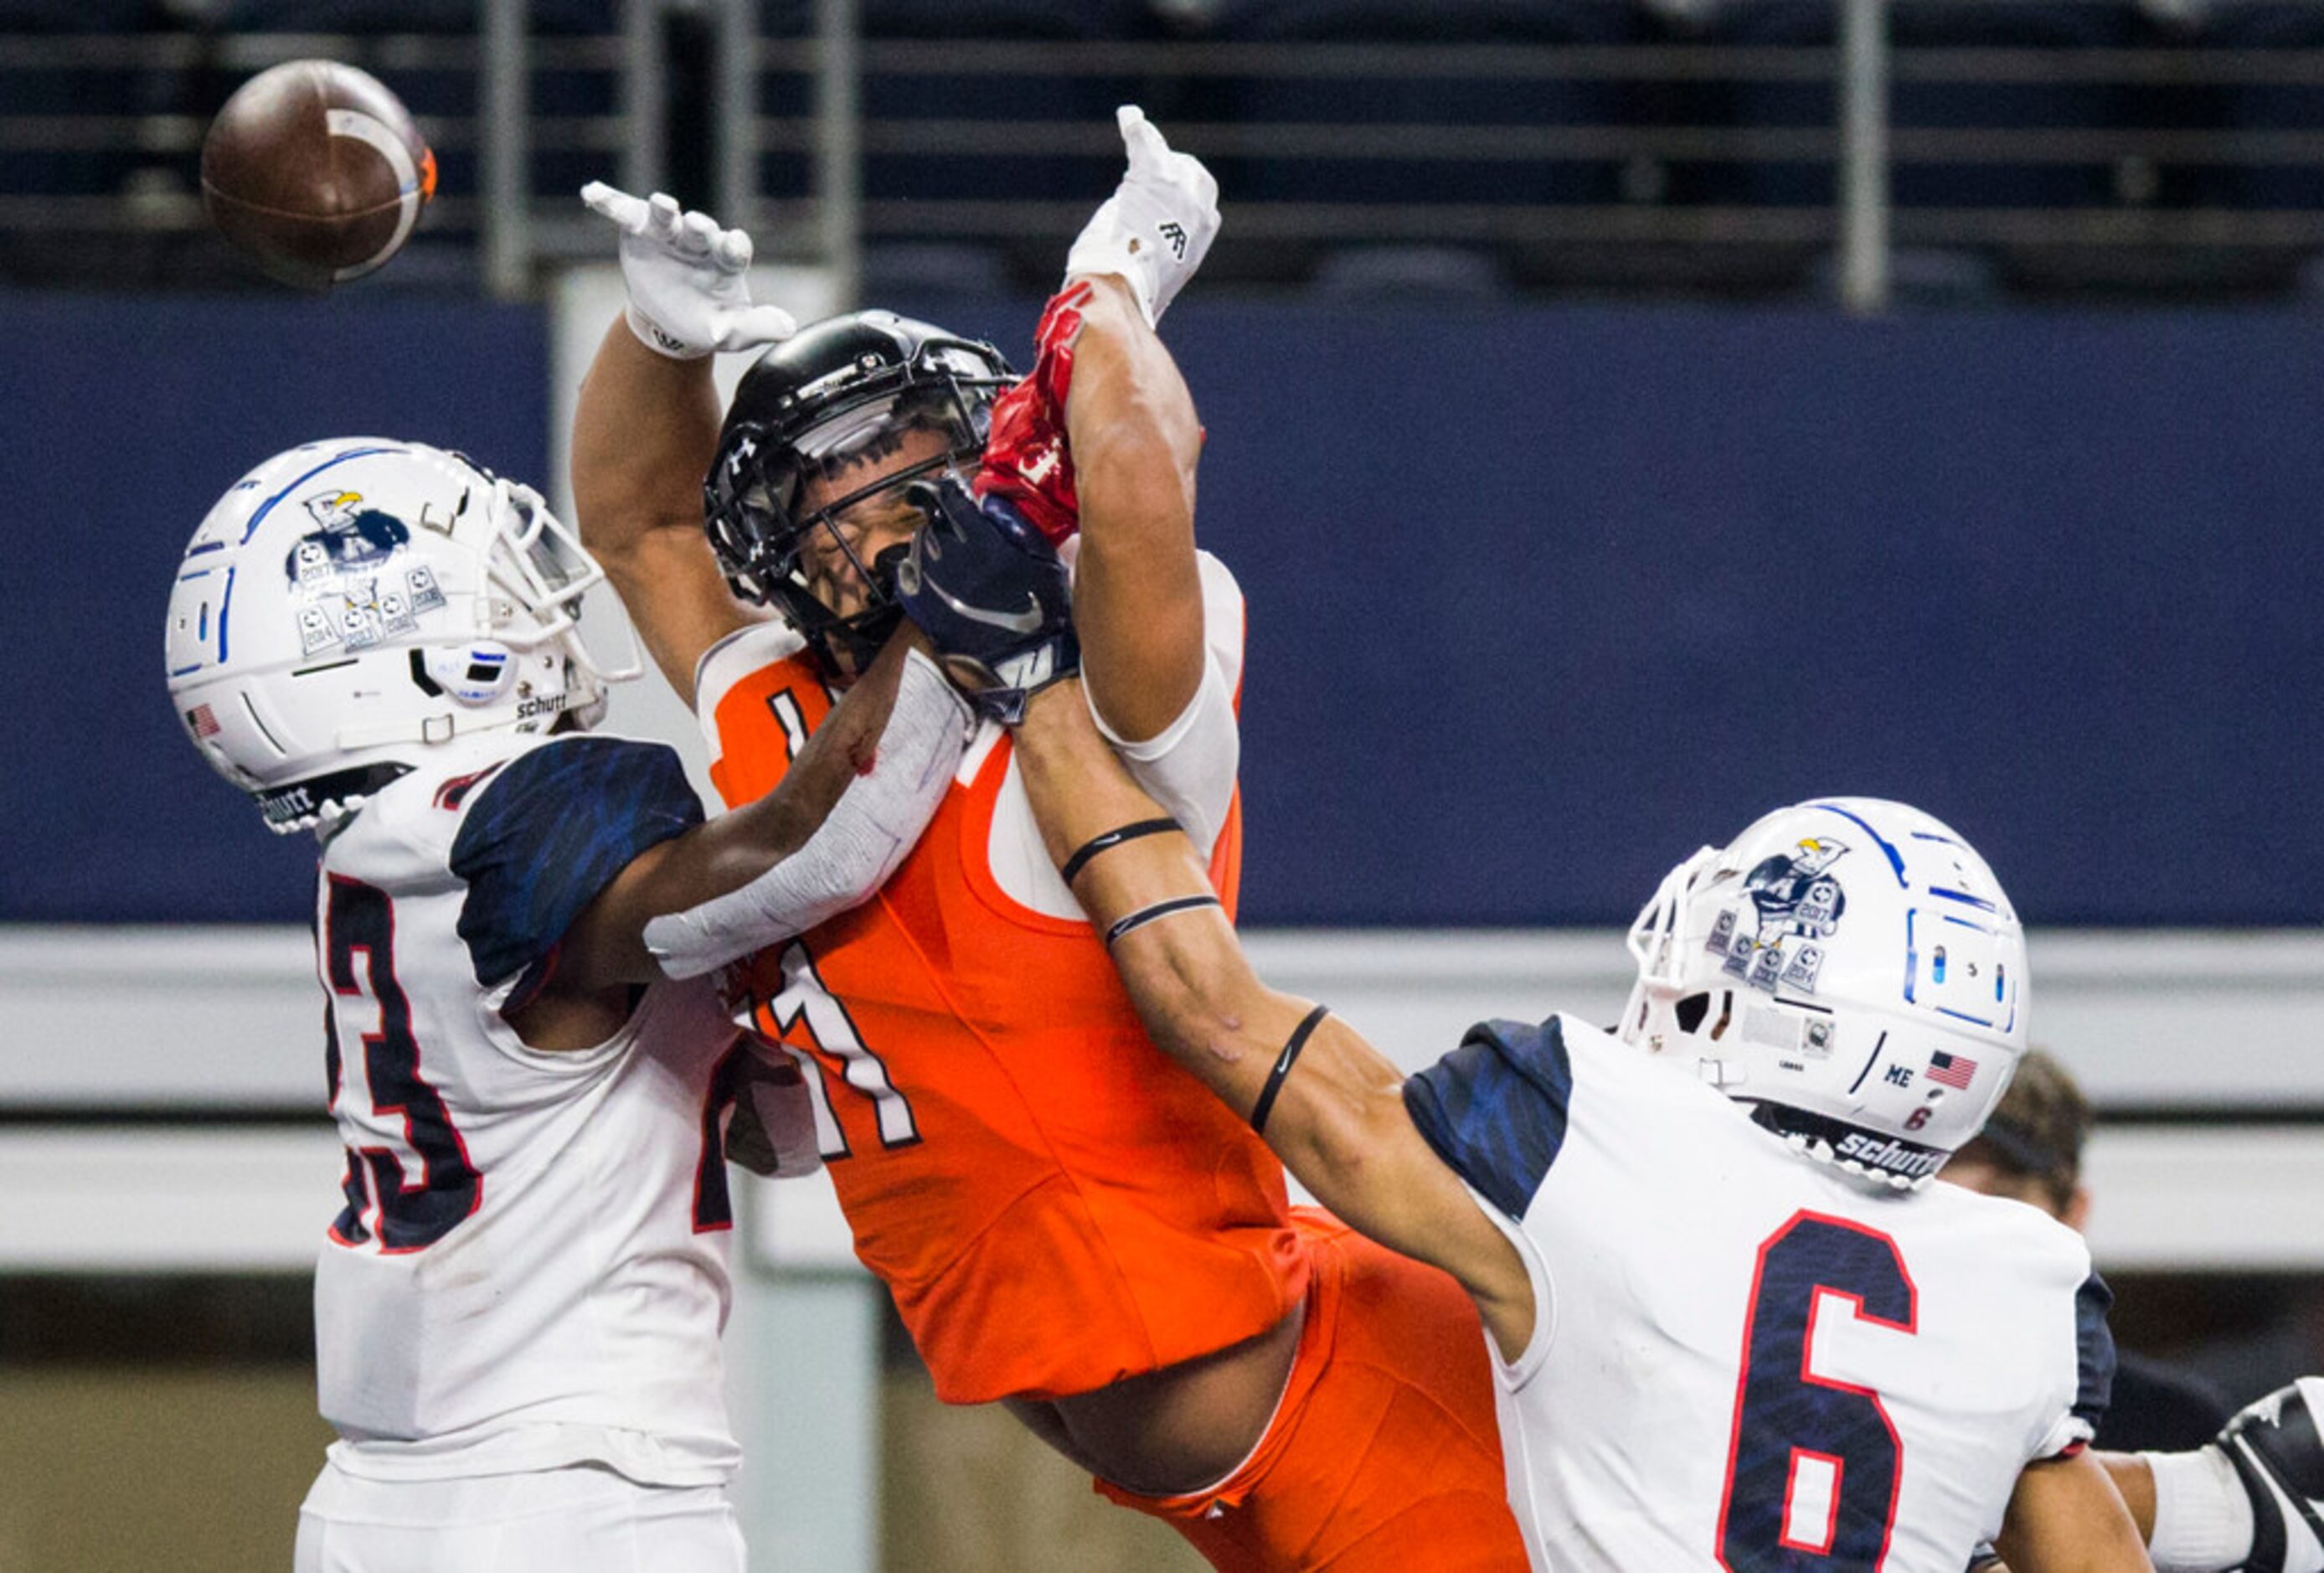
(531, 1267)
(1744, 1358)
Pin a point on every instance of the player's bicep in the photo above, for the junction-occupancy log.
(1190, 767)
(2065, 1517)
(1137, 597)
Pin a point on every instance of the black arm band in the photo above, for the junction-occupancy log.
(1299, 1035)
(1112, 840)
(1144, 915)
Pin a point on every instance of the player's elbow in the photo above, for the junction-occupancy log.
(1340, 1146)
(1192, 997)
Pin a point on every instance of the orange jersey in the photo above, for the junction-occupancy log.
(1054, 1205)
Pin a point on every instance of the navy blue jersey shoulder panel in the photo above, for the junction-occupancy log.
(1495, 1108)
(544, 835)
(2093, 1349)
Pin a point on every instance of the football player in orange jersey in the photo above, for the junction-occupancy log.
(1067, 1221)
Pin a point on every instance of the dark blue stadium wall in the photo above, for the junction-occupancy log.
(125, 420)
(1539, 600)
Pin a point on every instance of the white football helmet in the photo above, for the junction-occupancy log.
(350, 603)
(1852, 968)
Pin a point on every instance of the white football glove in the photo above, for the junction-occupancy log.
(687, 292)
(1157, 227)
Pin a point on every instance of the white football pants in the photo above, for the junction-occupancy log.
(580, 1520)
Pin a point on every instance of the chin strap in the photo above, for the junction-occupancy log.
(304, 804)
(1872, 1155)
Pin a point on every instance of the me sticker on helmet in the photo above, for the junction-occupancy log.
(345, 590)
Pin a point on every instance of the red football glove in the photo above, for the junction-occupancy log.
(1025, 460)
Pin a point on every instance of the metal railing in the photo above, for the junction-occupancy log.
(1716, 157)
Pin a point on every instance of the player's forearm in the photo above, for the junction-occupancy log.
(2065, 1516)
(644, 429)
(644, 432)
(853, 802)
(1131, 428)
(739, 846)
(1336, 1117)
(1185, 973)
(1127, 392)
(1334, 1104)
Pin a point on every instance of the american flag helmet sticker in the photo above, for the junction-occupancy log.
(203, 720)
(1951, 1070)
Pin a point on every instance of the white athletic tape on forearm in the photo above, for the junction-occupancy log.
(876, 820)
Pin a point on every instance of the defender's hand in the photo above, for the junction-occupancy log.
(1157, 227)
(685, 275)
(988, 590)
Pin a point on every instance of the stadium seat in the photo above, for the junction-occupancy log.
(1086, 159)
(1484, 103)
(1947, 105)
(2265, 106)
(1424, 133)
(898, 270)
(1941, 105)
(66, 16)
(1408, 274)
(43, 90)
(1005, 19)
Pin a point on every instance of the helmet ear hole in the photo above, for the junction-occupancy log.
(475, 674)
(1690, 1012)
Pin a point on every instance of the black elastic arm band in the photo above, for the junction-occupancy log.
(1144, 915)
(1112, 840)
(1298, 1040)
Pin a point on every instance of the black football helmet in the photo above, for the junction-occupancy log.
(834, 397)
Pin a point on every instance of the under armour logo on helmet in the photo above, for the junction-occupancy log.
(1176, 235)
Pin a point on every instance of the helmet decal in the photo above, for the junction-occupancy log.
(345, 588)
(1793, 897)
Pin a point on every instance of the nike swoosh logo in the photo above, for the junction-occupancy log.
(1023, 621)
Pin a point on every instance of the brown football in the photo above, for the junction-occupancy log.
(317, 170)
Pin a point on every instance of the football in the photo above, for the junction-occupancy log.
(315, 169)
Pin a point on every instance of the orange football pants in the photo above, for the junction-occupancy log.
(1384, 1455)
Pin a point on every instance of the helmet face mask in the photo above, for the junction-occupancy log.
(814, 435)
(350, 604)
(1852, 968)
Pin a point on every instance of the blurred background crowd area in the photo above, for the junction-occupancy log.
(1877, 149)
